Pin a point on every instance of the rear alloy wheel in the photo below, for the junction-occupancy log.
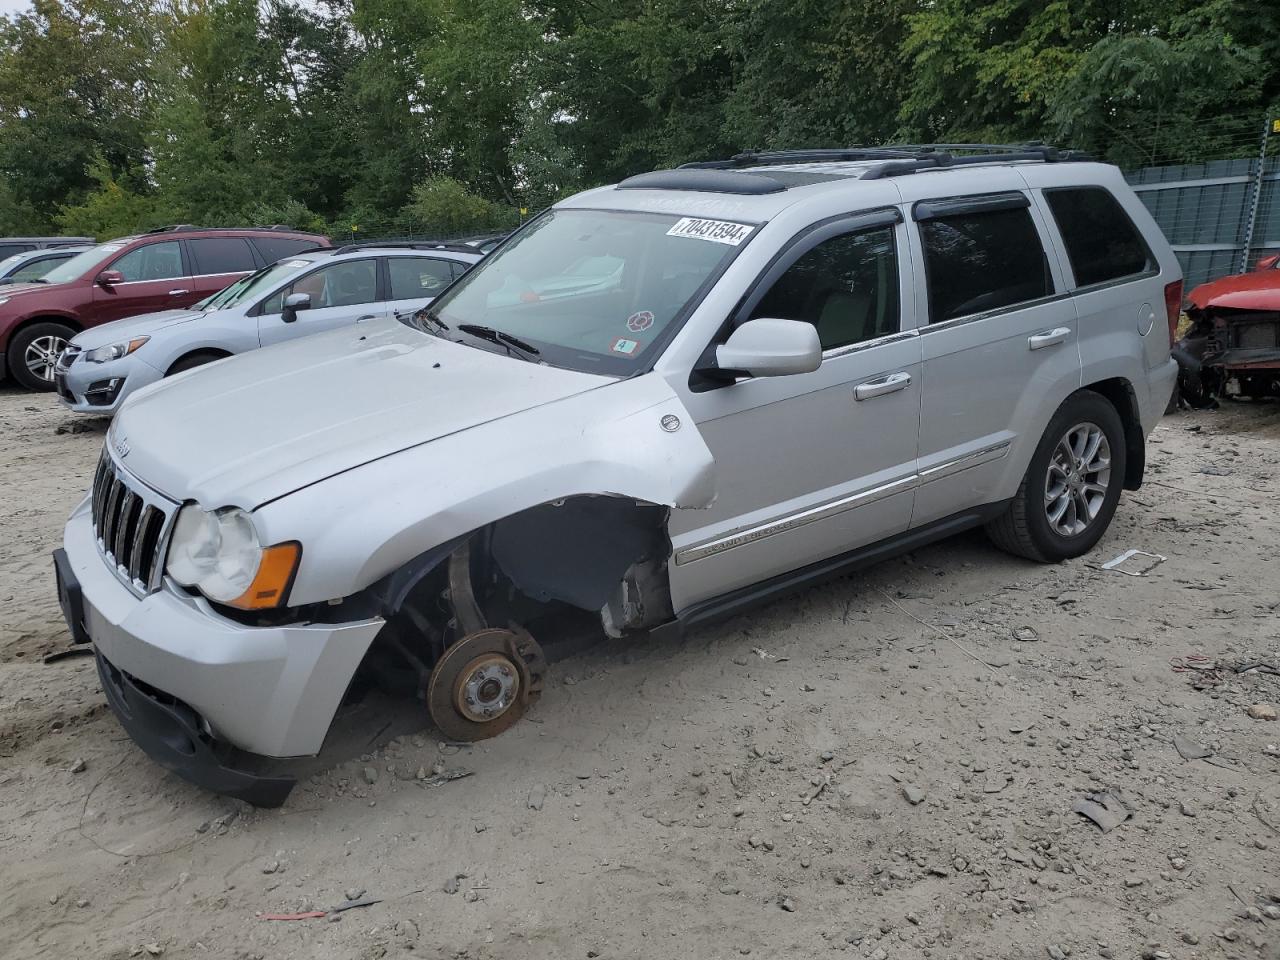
(34, 351)
(1072, 485)
(484, 683)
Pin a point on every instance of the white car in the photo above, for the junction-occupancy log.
(810, 360)
(301, 295)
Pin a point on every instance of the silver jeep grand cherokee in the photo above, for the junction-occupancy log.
(657, 403)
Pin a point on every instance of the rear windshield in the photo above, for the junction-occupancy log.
(594, 290)
(83, 263)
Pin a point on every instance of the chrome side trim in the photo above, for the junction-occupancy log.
(992, 452)
(770, 528)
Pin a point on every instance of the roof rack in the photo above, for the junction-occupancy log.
(407, 245)
(186, 227)
(902, 158)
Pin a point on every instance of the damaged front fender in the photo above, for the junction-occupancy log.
(632, 439)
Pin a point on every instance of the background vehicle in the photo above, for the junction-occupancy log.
(1233, 343)
(294, 297)
(11, 245)
(811, 360)
(166, 269)
(32, 265)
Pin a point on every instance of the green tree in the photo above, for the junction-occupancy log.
(75, 86)
(112, 209)
(444, 206)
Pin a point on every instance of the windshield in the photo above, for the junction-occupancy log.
(249, 287)
(82, 263)
(593, 290)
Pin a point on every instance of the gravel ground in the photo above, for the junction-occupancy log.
(882, 767)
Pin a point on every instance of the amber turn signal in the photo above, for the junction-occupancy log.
(275, 573)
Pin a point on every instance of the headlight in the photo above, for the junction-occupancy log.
(217, 552)
(115, 351)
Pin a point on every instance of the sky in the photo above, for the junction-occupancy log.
(14, 6)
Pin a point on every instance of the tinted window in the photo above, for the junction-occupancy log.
(221, 255)
(337, 285)
(1102, 243)
(35, 269)
(155, 261)
(846, 286)
(9, 249)
(982, 261)
(417, 277)
(275, 248)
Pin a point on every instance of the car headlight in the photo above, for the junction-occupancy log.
(218, 553)
(115, 351)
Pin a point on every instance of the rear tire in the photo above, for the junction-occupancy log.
(33, 352)
(1072, 485)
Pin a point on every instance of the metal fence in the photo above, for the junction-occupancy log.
(1220, 216)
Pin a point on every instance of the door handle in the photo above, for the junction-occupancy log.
(882, 385)
(178, 293)
(1050, 339)
(367, 316)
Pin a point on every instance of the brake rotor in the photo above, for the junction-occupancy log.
(485, 682)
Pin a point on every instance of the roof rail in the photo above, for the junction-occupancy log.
(407, 245)
(902, 158)
(187, 227)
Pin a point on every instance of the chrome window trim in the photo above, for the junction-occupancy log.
(1150, 274)
(849, 348)
(999, 311)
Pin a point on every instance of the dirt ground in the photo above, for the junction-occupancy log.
(884, 766)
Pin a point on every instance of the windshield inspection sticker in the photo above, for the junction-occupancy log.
(640, 322)
(717, 231)
(623, 345)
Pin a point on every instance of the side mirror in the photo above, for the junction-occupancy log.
(768, 347)
(292, 304)
(109, 278)
(1268, 263)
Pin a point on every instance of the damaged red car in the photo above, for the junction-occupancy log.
(1232, 347)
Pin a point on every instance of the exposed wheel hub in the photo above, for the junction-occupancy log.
(487, 687)
(484, 683)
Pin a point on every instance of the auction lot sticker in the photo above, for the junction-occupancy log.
(717, 231)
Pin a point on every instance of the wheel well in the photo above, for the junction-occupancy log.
(210, 352)
(1120, 393)
(31, 321)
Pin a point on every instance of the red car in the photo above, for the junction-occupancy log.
(167, 269)
(1233, 345)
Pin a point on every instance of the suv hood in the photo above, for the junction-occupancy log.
(127, 329)
(246, 430)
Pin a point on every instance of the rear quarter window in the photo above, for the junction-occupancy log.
(277, 248)
(981, 261)
(1102, 242)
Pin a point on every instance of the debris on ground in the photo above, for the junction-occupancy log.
(1189, 749)
(1104, 809)
(1262, 711)
(1146, 562)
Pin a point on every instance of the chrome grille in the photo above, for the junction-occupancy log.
(131, 524)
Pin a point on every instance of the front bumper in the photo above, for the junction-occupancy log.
(100, 388)
(188, 676)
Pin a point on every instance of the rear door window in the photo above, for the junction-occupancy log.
(9, 249)
(983, 260)
(413, 278)
(1102, 242)
(221, 255)
(277, 248)
(155, 261)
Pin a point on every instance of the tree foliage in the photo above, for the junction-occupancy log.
(446, 116)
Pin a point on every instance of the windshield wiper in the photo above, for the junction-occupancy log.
(432, 319)
(500, 337)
